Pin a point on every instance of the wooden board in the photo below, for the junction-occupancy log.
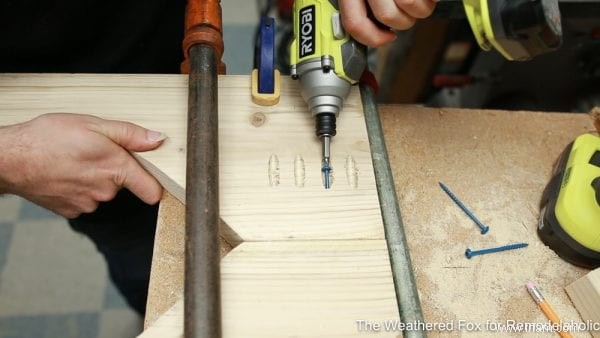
(298, 289)
(312, 261)
(585, 294)
(252, 139)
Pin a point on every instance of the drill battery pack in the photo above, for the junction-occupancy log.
(570, 207)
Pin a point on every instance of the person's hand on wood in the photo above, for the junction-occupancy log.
(69, 163)
(396, 14)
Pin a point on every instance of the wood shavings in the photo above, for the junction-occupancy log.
(500, 174)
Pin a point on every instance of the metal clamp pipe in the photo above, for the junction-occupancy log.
(407, 297)
(202, 290)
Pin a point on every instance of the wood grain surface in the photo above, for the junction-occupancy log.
(254, 141)
(312, 261)
(585, 294)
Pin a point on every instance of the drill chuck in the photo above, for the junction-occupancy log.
(325, 125)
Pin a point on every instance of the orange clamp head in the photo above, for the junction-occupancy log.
(203, 25)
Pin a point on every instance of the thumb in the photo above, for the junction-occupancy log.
(128, 135)
(139, 181)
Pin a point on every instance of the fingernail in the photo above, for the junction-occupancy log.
(155, 136)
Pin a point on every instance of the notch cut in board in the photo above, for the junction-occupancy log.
(299, 289)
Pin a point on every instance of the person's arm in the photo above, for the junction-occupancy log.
(396, 14)
(68, 163)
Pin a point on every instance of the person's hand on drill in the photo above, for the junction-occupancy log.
(396, 14)
(69, 163)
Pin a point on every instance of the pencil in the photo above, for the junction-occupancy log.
(546, 308)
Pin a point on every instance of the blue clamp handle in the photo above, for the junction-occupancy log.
(266, 56)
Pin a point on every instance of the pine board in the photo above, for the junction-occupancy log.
(299, 289)
(250, 136)
(585, 294)
(312, 261)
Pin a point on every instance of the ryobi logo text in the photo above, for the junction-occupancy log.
(307, 31)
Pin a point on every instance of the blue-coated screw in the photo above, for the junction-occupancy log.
(326, 170)
(484, 228)
(470, 253)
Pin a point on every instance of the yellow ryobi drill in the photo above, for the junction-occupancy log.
(570, 216)
(327, 61)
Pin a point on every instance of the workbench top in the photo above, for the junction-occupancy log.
(496, 162)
